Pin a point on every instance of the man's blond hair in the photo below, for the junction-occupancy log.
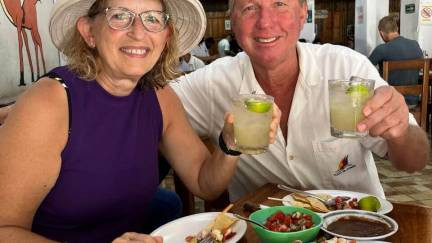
(388, 25)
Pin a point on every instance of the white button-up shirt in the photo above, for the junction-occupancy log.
(311, 158)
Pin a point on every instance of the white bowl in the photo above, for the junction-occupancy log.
(335, 215)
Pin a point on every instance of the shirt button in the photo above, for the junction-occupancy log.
(291, 157)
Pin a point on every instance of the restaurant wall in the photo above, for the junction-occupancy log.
(334, 20)
(409, 19)
(27, 54)
(416, 22)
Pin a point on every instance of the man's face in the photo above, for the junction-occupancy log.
(268, 30)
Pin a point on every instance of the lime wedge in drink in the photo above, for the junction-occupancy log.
(369, 203)
(358, 90)
(258, 106)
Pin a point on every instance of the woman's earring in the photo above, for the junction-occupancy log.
(92, 44)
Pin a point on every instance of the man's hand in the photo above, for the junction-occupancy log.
(386, 114)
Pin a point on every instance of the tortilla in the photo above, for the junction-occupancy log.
(317, 205)
(300, 198)
(222, 222)
(301, 204)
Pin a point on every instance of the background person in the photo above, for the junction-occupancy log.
(397, 47)
(304, 155)
(82, 157)
(202, 51)
(190, 63)
(224, 48)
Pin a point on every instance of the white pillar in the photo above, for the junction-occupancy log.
(308, 31)
(367, 15)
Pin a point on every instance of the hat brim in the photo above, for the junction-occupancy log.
(187, 16)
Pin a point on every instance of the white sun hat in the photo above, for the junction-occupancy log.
(187, 16)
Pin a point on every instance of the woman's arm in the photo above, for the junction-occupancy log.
(31, 141)
(205, 175)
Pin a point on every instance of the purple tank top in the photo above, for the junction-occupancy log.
(109, 170)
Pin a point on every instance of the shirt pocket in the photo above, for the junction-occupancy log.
(342, 163)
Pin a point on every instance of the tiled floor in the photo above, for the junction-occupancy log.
(404, 187)
(398, 186)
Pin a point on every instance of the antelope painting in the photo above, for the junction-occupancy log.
(24, 17)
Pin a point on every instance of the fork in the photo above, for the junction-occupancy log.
(328, 203)
(207, 239)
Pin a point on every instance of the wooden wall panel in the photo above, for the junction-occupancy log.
(336, 28)
(216, 25)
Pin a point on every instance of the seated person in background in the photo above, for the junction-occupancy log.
(202, 51)
(397, 47)
(224, 48)
(189, 63)
(304, 155)
(80, 147)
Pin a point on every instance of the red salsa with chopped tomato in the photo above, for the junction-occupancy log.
(281, 222)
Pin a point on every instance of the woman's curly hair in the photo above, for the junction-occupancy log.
(82, 58)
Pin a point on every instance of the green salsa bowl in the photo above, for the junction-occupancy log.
(268, 236)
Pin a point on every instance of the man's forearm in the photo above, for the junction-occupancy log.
(410, 153)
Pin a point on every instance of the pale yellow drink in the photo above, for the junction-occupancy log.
(347, 99)
(252, 118)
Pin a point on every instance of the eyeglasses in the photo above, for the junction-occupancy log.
(122, 18)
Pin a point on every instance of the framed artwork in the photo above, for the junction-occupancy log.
(26, 49)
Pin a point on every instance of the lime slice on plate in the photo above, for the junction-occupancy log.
(369, 203)
(258, 106)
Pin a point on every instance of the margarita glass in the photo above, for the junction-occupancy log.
(252, 118)
(347, 99)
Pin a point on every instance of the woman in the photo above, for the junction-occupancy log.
(80, 161)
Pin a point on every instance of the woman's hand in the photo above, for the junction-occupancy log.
(228, 129)
(136, 237)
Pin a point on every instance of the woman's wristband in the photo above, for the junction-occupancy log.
(225, 149)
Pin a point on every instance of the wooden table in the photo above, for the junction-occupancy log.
(415, 221)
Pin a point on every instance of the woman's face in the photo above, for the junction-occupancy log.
(128, 53)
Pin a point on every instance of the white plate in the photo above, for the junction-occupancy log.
(331, 217)
(386, 206)
(176, 231)
(368, 241)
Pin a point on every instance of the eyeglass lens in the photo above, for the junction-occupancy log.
(120, 19)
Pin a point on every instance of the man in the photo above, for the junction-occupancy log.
(202, 50)
(396, 47)
(224, 48)
(295, 74)
(189, 63)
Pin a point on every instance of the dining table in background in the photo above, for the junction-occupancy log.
(415, 221)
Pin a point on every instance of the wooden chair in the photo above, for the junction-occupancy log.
(415, 223)
(188, 199)
(422, 89)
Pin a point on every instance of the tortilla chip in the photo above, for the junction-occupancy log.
(301, 204)
(299, 198)
(325, 197)
(317, 205)
(222, 222)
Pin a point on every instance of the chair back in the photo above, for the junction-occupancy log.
(422, 89)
